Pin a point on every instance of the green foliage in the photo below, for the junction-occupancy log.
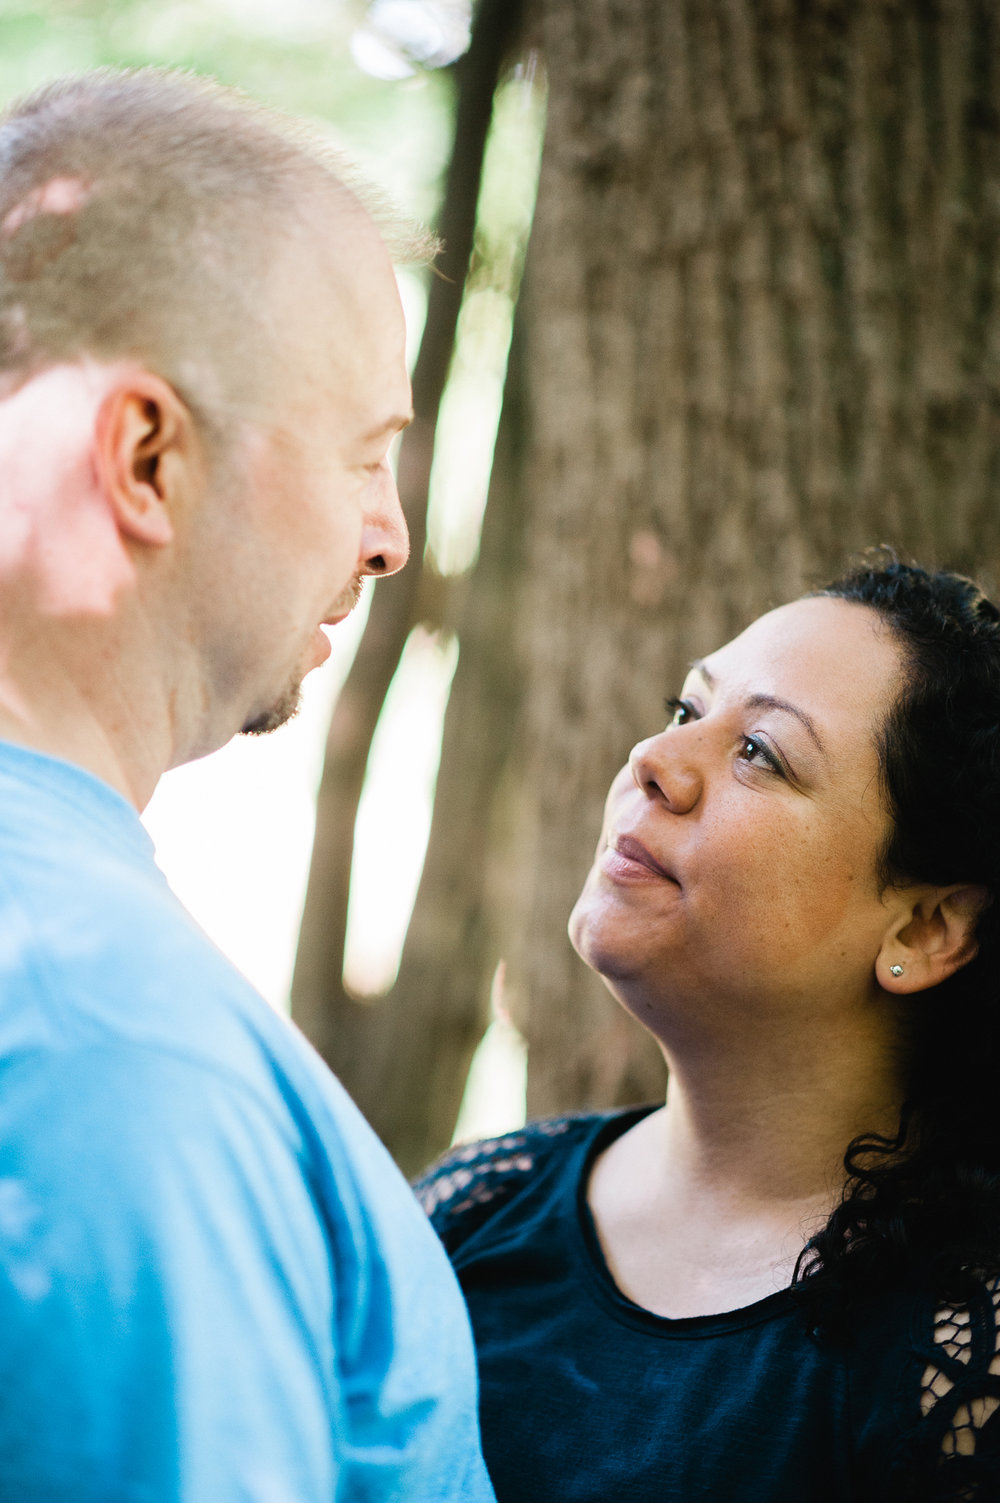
(294, 54)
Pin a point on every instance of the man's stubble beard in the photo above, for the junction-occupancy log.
(281, 712)
(287, 706)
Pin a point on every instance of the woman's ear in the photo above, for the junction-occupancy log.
(933, 937)
(141, 444)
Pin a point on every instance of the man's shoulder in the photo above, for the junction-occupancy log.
(157, 1215)
(131, 1113)
(105, 976)
(96, 952)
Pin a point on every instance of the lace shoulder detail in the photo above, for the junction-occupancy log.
(960, 1400)
(465, 1187)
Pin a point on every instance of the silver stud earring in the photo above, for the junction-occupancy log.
(895, 970)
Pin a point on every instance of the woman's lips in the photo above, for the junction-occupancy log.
(627, 859)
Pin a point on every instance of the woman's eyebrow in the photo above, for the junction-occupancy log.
(768, 702)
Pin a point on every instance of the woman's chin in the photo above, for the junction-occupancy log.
(586, 933)
(604, 931)
(598, 949)
(574, 927)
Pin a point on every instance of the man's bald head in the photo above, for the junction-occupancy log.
(152, 215)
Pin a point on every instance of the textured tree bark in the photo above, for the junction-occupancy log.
(362, 1042)
(411, 1079)
(762, 329)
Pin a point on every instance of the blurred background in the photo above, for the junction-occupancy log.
(718, 304)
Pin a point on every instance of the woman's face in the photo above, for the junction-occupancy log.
(739, 854)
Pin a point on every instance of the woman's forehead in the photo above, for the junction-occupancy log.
(834, 657)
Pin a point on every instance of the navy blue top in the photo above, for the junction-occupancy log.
(586, 1397)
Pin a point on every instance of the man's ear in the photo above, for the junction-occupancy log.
(143, 441)
(932, 938)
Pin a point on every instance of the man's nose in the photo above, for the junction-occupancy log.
(385, 541)
(663, 767)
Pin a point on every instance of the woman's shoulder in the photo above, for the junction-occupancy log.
(956, 1440)
(474, 1180)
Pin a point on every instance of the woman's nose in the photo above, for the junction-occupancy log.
(664, 769)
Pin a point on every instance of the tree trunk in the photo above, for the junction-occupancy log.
(360, 1041)
(762, 329)
(438, 1008)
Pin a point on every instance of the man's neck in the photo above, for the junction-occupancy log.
(117, 736)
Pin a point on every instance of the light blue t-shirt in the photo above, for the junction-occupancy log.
(215, 1286)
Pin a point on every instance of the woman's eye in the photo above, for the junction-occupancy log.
(759, 755)
(752, 750)
(680, 711)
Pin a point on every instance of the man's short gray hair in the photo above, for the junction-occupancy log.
(141, 213)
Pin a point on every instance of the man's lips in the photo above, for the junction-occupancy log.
(627, 857)
(321, 648)
(345, 602)
(339, 611)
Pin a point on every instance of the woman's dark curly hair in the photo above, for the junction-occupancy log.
(927, 1202)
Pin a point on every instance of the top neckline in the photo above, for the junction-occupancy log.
(599, 1277)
